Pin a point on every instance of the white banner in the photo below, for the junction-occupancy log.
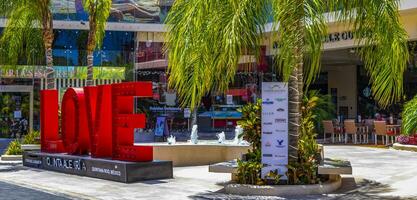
(274, 127)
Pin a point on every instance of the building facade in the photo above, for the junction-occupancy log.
(133, 50)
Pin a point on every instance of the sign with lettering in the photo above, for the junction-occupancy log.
(97, 120)
(274, 128)
(339, 36)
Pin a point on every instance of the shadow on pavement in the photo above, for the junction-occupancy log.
(12, 168)
(351, 190)
(15, 192)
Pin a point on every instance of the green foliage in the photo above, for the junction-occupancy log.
(321, 107)
(32, 138)
(251, 124)
(409, 116)
(205, 41)
(305, 170)
(20, 37)
(249, 170)
(14, 148)
(98, 12)
(206, 38)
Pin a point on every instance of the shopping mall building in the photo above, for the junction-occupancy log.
(133, 50)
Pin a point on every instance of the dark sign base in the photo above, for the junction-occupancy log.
(114, 170)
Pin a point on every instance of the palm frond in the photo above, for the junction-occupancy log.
(205, 42)
(22, 36)
(382, 40)
(99, 11)
(288, 17)
(409, 116)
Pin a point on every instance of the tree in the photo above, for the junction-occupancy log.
(98, 12)
(29, 27)
(206, 38)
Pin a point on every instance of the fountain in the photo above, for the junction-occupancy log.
(194, 135)
(238, 132)
(221, 137)
(197, 152)
(171, 140)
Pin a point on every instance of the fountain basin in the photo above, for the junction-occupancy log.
(204, 153)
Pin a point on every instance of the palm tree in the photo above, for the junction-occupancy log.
(206, 38)
(98, 12)
(29, 26)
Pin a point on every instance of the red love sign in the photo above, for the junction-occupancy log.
(99, 120)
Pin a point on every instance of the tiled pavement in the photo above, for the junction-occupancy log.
(378, 174)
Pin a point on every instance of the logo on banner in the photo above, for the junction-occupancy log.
(280, 144)
(280, 99)
(280, 110)
(267, 113)
(267, 102)
(275, 88)
(280, 131)
(280, 120)
(268, 144)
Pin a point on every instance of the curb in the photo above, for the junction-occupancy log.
(404, 147)
(284, 190)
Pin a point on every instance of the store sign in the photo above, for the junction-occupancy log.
(338, 36)
(96, 120)
(187, 113)
(229, 99)
(274, 127)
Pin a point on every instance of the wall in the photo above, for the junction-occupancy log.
(344, 79)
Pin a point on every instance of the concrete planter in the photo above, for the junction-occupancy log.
(405, 147)
(11, 158)
(31, 147)
(285, 190)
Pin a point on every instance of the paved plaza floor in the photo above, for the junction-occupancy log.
(377, 174)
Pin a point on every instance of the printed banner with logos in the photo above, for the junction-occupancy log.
(274, 128)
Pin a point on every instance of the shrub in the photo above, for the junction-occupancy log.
(304, 171)
(32, 138)
(402, 139)
(14, 148)
(251, 123)
(249, 169)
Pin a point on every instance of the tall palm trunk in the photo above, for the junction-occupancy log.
(296, 86)
(294, 106)
(91, 44)
(90, 56)
(48, 38)
(194, 117)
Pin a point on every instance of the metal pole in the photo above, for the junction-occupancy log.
(31, 111)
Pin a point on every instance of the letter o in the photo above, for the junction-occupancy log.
(74, 122)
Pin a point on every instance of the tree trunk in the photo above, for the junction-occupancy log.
(48, 38)
(294, 115)
(91, 45)
(194, 117)
(90, 81)
(296, 86)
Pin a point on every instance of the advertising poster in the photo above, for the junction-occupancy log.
(274, 127)
(161, 127)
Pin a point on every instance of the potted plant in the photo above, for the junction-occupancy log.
(31, 141)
